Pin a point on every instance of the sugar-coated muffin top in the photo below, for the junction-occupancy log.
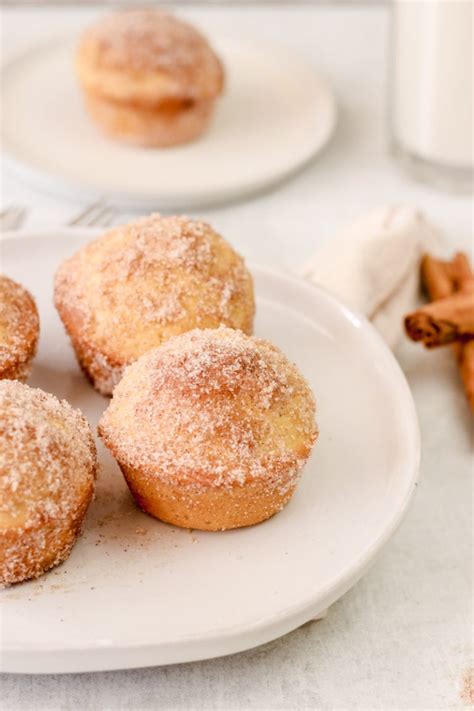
(212, 408)
(154, 46)
(140, 284)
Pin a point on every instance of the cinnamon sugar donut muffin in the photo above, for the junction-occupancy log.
(138, 285)
(148, 78)
(47, 476)
(211, 430)
(19, 330)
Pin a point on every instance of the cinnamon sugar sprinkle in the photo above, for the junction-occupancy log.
(47, 466)
(151, 40)
(19, 326)
(467, 687)
(141, 283)
(155, 240)
(213, 408)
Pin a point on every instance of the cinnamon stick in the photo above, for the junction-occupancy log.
(435, 278)
(460, 273)
(445, 321)
(441, 279)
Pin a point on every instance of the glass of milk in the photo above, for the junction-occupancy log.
(431, 112)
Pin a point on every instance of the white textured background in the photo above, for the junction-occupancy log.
(401, 639)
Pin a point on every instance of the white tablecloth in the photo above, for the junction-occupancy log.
(401, 638)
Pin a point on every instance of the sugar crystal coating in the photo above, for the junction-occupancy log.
(19, 328)
(146, 41)
(47, 468)
(142, 283)
(213, 408)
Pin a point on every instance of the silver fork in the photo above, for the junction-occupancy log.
(99, 214)
(12, 217)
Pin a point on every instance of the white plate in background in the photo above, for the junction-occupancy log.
(137, 592)
(275, 115)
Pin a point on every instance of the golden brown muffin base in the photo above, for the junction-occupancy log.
(102, 373)
(210, 509)
(99, 369)
(21, 370)
(30, 560)
(157, 126)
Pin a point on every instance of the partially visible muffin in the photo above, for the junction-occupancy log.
(211, 430)
(19, 330)
(140, 284)
(148, 78)
(47, 477)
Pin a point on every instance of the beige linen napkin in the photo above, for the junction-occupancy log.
(373, 266)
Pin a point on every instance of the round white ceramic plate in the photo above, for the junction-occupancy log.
(137, 592)
(275, 115)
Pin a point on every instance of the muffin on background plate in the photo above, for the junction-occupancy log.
(148, 78)
(211, 430)
(138, 285)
